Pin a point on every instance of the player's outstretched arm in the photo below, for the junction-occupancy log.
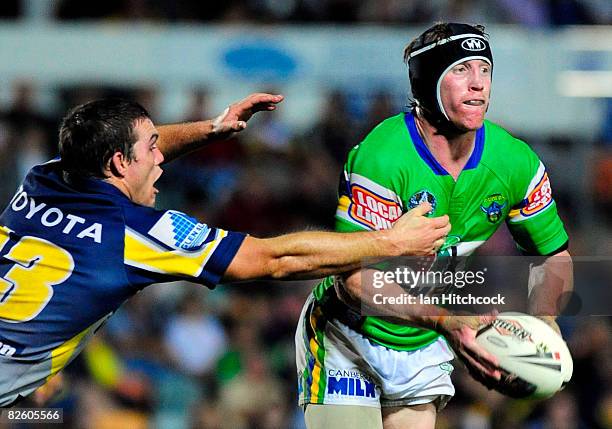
(178, 139)
(317, 254)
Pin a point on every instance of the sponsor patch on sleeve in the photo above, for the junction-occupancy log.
(371, 209)
(539, 198)
(179, 231)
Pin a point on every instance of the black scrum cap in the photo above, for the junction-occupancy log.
(428, 63)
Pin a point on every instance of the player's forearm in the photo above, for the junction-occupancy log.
(179, 139)
(550, 285)
(317, 254)
(308, 254)
(357, 290)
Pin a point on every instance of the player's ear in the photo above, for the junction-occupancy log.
(118, 164)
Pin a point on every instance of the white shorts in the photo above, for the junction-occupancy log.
(337, 365)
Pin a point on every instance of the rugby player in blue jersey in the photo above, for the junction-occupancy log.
(81, 236)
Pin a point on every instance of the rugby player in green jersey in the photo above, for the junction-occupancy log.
(394, 372)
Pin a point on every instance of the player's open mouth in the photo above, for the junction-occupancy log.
(159, 175)
(474, 102)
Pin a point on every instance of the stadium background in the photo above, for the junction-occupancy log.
(180, 356)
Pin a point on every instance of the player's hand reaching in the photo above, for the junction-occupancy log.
(460, 331)
(234, 118)
(419, 235)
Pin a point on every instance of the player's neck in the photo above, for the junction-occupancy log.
(452, 151)
(119, 184)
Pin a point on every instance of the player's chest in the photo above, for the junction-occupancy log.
(476, 203)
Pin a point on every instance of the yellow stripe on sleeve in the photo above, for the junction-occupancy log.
(143, 253)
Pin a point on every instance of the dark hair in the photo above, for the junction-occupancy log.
(438, 31)
(91, 133)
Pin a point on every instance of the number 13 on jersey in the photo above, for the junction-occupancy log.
(27, 287)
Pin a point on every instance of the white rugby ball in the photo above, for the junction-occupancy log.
(529, 349)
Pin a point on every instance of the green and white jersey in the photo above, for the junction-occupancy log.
(392, 171)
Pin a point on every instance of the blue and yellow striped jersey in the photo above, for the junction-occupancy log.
(71, 254)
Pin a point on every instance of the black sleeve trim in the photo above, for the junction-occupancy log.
(563, 247)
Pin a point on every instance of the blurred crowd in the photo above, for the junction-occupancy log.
(534, 13)
(180, 356)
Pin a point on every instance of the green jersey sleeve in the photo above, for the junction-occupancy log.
(368, 192)
(533, 220)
